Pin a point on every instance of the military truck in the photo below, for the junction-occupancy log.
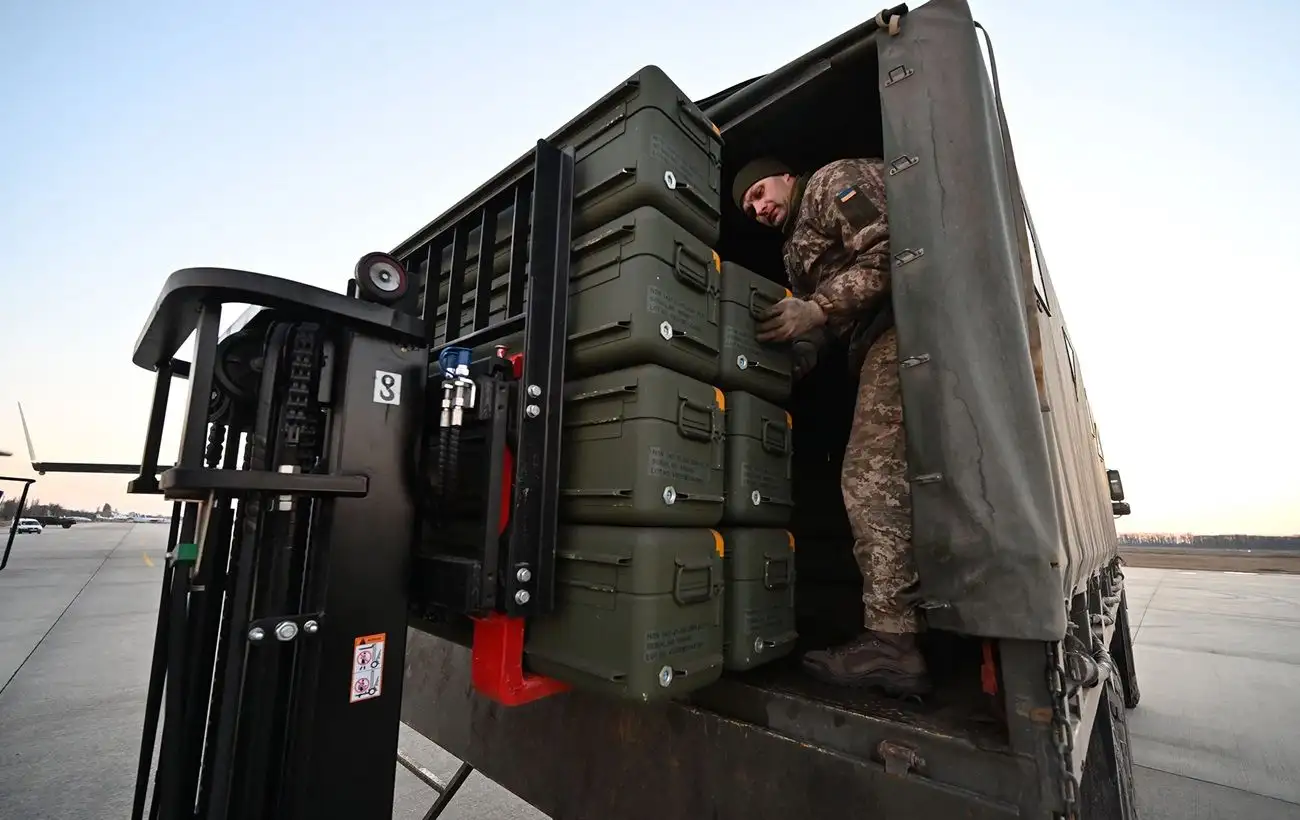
(1013, 504)
(535, 464)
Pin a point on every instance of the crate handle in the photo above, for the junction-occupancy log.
(606, 237)
(601, 393)
(704, 203)
(694, 598)
(756, 296)
(695, 341)
(615, 179)
(697, 117)
(783, 581)
(695, 433)
(780, 443)
(607, 329)
(699, 281)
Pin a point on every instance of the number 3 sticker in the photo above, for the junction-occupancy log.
(388, 387)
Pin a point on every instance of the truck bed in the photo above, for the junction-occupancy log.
(765, 744)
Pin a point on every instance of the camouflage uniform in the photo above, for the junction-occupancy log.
(837, 254)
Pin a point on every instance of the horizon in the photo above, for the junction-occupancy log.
(289, 139)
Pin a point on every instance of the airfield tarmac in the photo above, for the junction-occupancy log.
(1216, 736)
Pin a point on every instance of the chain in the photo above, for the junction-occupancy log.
(300, 420)
(1062, 730)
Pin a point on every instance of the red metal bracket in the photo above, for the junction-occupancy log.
(497, 669)
(989, 670)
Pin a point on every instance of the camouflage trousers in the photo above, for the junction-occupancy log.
(877, 497)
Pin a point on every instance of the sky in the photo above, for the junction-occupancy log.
(1155, 141)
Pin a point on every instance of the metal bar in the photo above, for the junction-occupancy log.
(261, 713)
(757, 92)
(518, 251)
(221, 582)
(456, 282)
(497, 440)
(195, 484)
(18, 513)
(147, 480)
(427, 777)
(226, 801)
(486, 255)
(429, 305)
(167, 797)
(1028, 707)
(194, 437)
(207, 599)
(153, 700)
(485, 336)
(537, 458)
(364, 549)
(453, 786)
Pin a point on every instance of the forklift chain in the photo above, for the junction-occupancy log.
(1062, 730)
(300, 423)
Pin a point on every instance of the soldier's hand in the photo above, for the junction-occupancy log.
(788, 318)
(804, 357)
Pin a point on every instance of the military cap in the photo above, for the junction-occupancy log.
(753, 171)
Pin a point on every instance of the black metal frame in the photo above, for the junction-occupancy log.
(526, 417)
(260, 604)
(18, 513)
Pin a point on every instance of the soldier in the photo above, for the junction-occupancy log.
(836, 254)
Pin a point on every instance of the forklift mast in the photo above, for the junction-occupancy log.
(292, 568)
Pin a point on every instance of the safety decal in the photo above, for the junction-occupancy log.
(367, 668)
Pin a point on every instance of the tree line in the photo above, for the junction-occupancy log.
(1212, 542)
(34, 506)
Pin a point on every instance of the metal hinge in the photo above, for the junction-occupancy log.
(899, 759)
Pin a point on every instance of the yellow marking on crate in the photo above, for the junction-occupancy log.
(718, 544)
(720, 399)
(717, 261)
(790, 535)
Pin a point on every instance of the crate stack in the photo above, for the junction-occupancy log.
(673, 559)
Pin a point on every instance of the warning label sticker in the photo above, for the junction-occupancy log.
(367, 668)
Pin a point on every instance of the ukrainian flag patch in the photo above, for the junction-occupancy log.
(847, 194)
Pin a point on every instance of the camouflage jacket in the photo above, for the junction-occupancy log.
(837, 248)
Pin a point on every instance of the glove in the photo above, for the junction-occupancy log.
(789, 318)
(806, 350)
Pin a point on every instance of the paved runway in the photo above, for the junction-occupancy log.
(1216, 737)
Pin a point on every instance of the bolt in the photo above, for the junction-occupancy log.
(311, 627)
(534, 391)
(666, 677)
(670, 495)
(524, 575)
(522, 597)
(758, 646)
(286, 630)
(533, 411)
(256, 634)
(670, 180)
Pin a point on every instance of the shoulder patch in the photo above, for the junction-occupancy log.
(856, 207)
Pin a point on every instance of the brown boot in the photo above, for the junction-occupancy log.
(876, 660)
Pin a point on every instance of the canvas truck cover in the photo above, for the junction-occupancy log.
(986, 531)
